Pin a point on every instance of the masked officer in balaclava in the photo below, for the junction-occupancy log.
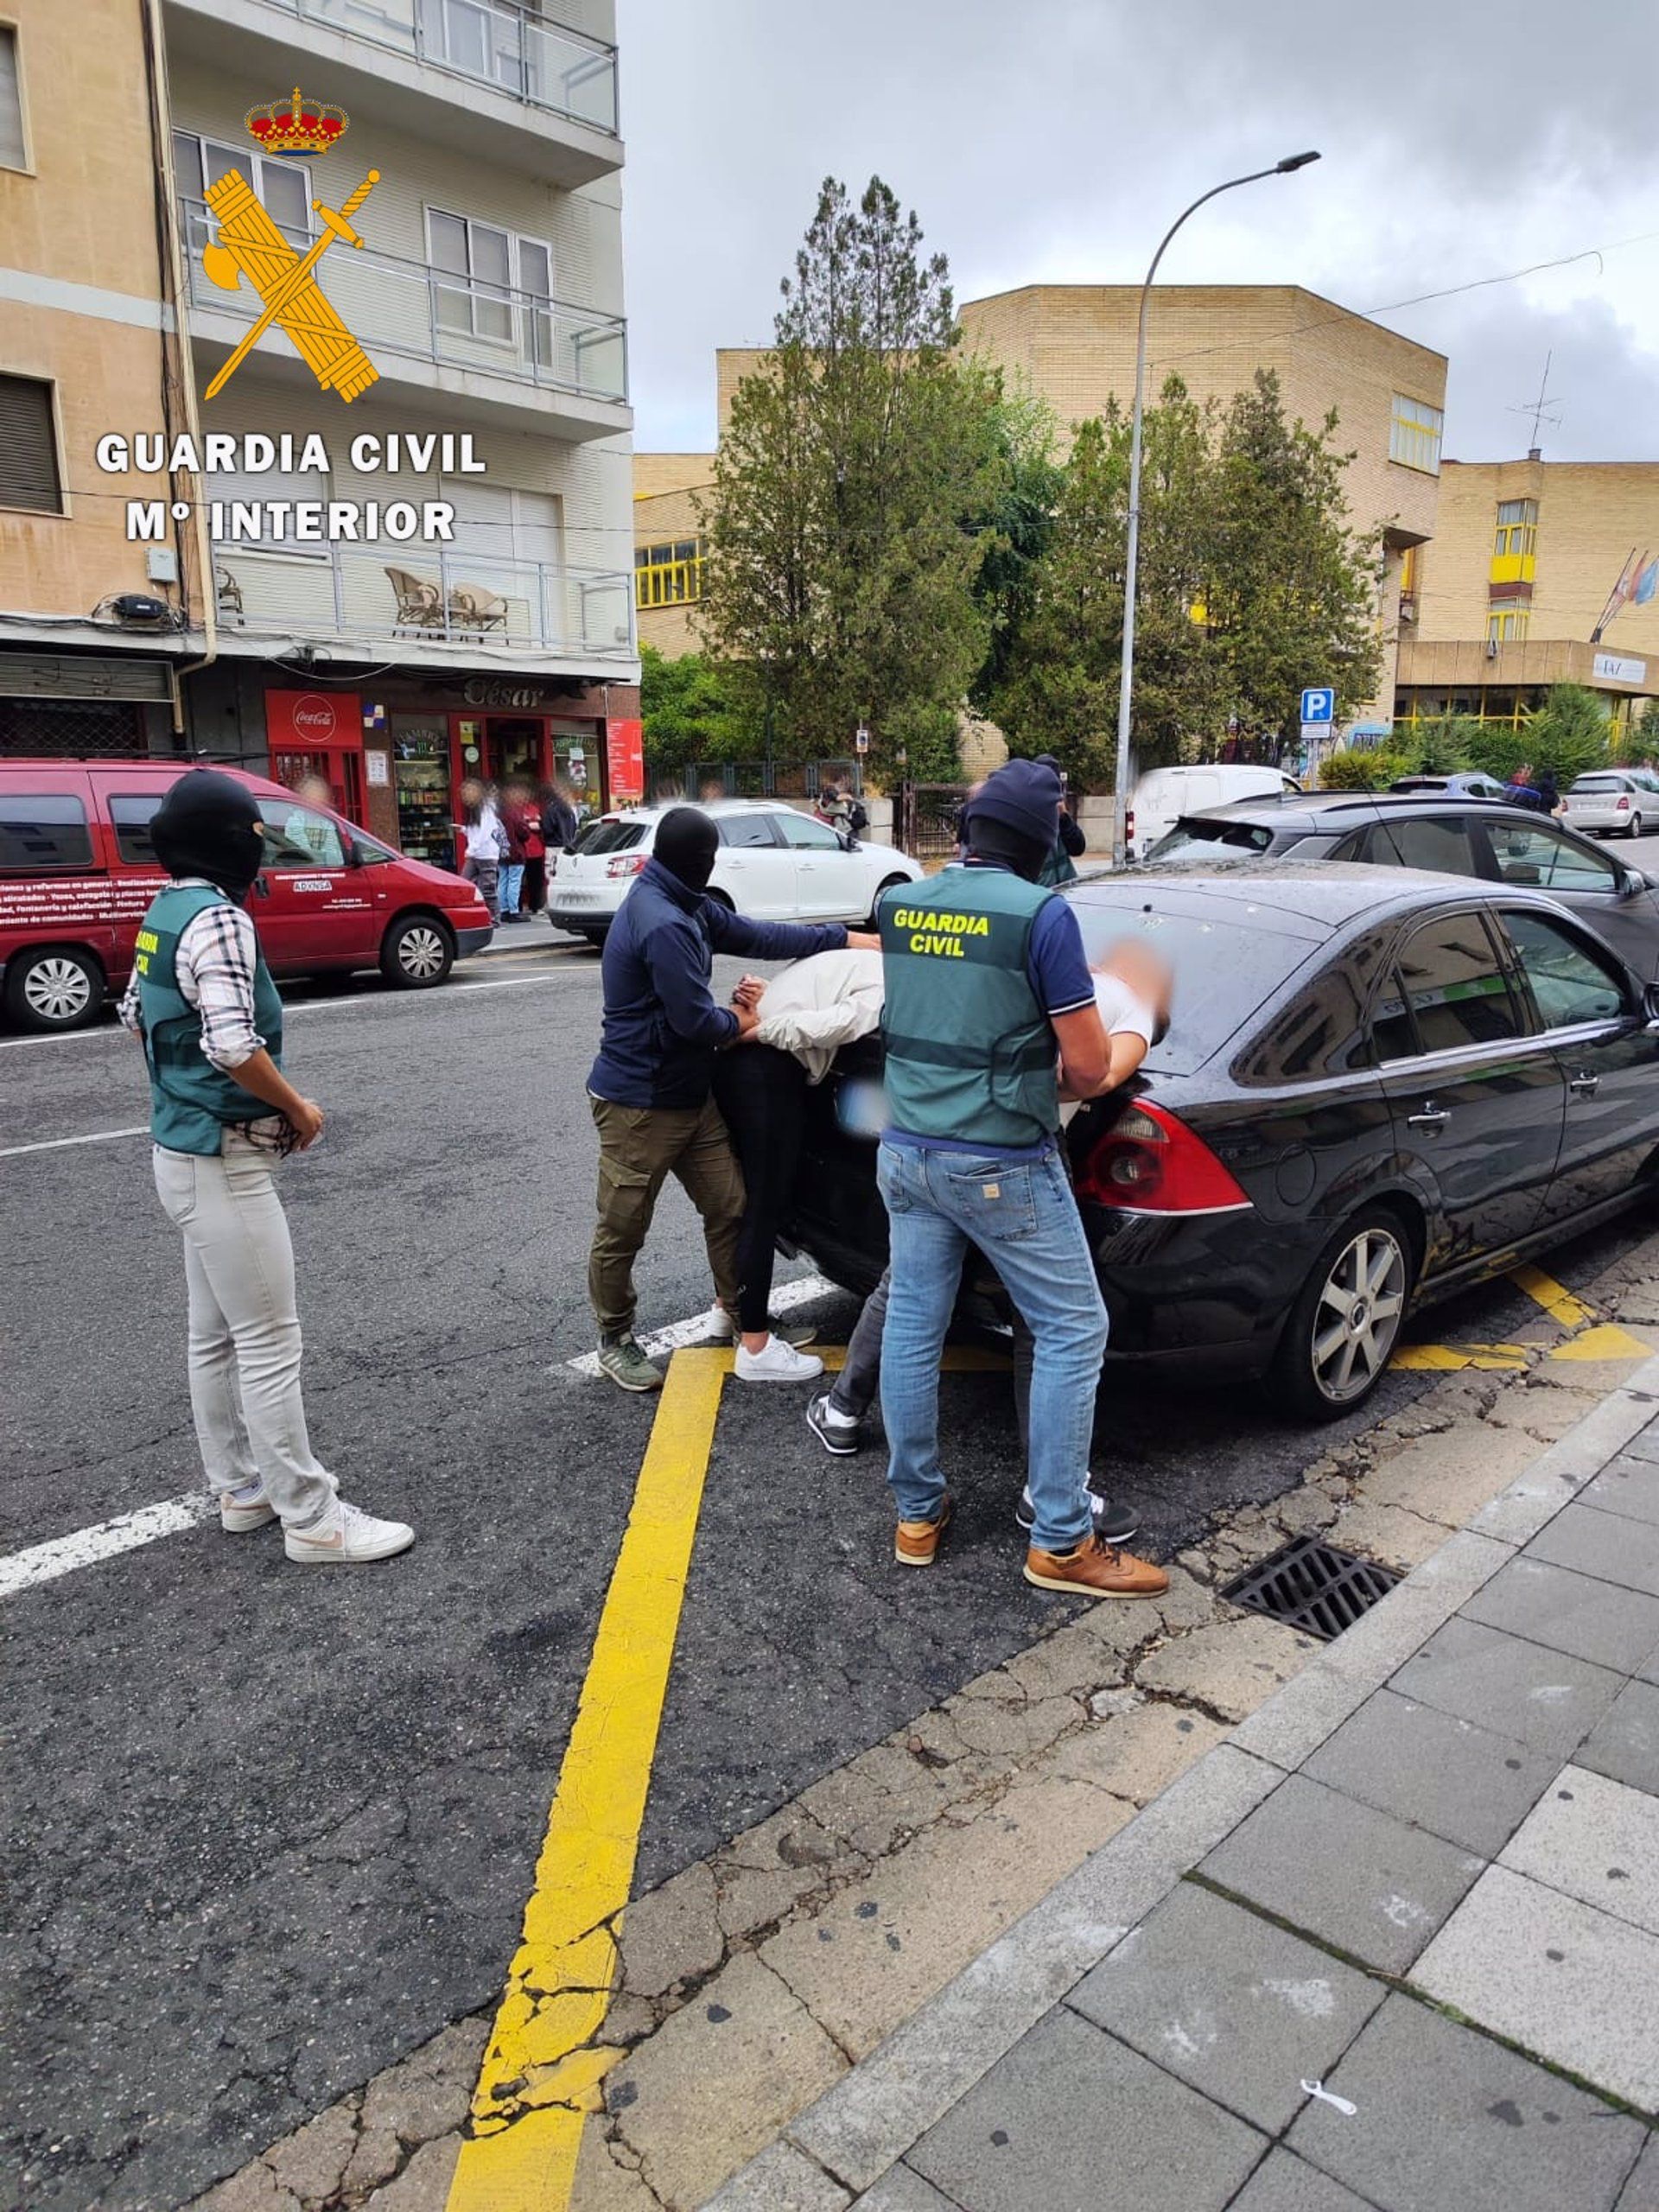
(222, 1114)
(989, 997)
(649, 1088)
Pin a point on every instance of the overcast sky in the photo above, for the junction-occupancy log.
(1053, 140)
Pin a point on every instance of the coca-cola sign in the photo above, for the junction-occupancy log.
(308, 722)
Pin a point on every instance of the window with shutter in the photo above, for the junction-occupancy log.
(29, 447)
(13, 152)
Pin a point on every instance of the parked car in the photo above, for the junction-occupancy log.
(774, 862)
(1377, 1087)
(1163, 795)
(1499, 843)
(1611, 803)
(1472, 785)
(77, 872)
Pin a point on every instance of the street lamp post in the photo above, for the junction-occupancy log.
(1126, 680)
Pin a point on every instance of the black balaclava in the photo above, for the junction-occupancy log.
(208, 825)
(1014, 816)
(687, 842)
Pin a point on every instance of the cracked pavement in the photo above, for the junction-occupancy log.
(271, 1834)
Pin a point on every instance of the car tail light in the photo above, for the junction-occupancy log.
(1129, 827)
(627, 864)
(1150, 1162)
(1623, 806)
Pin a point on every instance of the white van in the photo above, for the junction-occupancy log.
(1163, 795)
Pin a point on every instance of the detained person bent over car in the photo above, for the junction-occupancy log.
(986, 987)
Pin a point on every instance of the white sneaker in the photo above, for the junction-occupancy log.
(244, 1509)
(346, 1536)
(779, 1363)
(718, 1324)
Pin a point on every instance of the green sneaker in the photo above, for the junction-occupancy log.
(622, 1359)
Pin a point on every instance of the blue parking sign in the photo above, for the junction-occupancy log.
(1320, 704)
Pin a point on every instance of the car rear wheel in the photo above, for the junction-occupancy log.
(1346, 1320)
(54, 988)
(417, 952)
(887, 884)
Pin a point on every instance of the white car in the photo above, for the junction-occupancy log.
(1613, 801)
(774, 863)
(1163, 795)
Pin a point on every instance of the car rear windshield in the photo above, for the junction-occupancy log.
(1229, 956)
(1194, 831)
(1602, 784)
(611, 836)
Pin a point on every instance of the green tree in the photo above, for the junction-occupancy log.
(691, 711)
(1292, 592)
(1360, 768)
(1440, 748)
(844, 556)
(1566, 735)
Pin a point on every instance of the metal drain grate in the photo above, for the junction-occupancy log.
(1312, 1585)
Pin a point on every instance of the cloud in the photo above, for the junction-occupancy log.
(1054, 141)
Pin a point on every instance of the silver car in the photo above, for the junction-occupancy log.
(1611, 803)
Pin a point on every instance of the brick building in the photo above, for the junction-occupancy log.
(1506, 598)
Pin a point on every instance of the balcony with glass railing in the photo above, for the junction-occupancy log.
(491, 344)
(420, 600)
(554, 75)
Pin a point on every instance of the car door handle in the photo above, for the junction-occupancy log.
(1584, 1086)
(1429, 1117)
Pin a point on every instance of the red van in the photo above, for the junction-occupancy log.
(77, 873)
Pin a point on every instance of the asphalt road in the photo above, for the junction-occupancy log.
(266, 1831)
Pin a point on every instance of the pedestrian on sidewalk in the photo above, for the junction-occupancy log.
(527, 813)
(650, 1086)
(1061, 864)
(985, 993)
(802, 1018)
(515, 852)
(558, 820)
(222, 1114)
(1132, 988)
(480, 827)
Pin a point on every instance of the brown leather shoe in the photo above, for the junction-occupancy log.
(917, 1544)
(1096, 1569)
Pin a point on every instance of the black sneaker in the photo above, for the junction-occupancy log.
(1114, 1525)
(835, 1432)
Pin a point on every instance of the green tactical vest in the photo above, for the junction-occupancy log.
(1058, 867)
(970, 1054)
(191, 1102)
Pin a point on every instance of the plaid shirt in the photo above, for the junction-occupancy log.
(217, 953)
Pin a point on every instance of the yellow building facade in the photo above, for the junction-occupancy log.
(1509, 596)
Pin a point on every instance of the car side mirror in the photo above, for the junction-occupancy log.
(1632, 882)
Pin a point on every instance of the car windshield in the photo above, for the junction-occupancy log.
(1193, 833)
(610, 834)
(1229, 956)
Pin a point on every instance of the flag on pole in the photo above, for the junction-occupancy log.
(1620, 594)
(1646, 584)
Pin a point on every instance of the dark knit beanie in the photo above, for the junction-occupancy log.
(1024, 796)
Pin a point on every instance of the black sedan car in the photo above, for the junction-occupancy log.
(1450, 835)
(1378, 1086)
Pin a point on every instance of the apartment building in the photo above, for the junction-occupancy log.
(1073, 346)
(1511, 595)
(451, 169)
(87, 343)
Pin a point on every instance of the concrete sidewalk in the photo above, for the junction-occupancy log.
(1425, 1874)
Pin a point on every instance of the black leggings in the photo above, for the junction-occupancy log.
(761, 1096)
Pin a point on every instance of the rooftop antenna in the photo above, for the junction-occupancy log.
(1540, 411)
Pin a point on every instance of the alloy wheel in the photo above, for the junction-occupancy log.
(1358, 1315)
(420, 952)
(57, 990)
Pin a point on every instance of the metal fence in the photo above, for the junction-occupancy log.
(786, 780)
(928, 817)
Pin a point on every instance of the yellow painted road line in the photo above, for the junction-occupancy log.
(541, 2071)
(1557, 1301)
(1452, 1359)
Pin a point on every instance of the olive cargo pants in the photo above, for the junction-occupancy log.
(639, 1147)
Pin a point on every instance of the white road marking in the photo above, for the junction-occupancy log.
(62, 1554)
(56, 1144)
(785, 1299)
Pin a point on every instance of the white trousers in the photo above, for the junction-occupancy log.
(244, 1327)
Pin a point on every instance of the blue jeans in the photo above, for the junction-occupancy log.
(1022, 1216)
(512, 878)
